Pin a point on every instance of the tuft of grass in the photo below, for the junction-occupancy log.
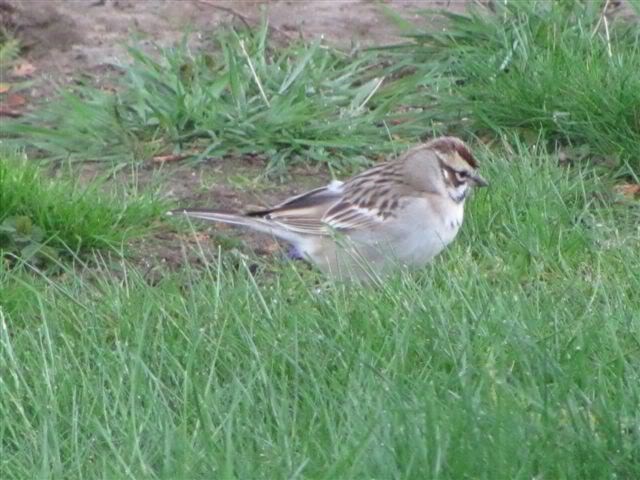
(50, 216)
(538, 68)
(9, 51)
(552, 69)
(513, 356)
(304, 102)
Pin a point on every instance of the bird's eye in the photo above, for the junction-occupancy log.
(462, 176)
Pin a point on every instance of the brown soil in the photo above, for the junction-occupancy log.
(229, 184)
(65, 39)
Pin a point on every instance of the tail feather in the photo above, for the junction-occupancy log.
(255, 223)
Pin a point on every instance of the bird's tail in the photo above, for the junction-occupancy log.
(255, 223)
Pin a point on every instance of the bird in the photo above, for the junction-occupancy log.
(398, 213)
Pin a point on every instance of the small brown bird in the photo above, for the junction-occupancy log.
(398, 213)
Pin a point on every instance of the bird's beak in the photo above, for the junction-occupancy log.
(478, 181)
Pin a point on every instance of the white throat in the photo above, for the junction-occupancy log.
(459, 193)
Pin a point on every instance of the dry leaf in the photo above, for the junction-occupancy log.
(169, 158)
(5, 87)
(109, 89)
(195, 237)
(9, 112)
(628, 190)
(10, 106)
(14, 100)
(23, 69)
(398, 121)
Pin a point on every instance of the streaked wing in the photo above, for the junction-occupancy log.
(331, 192)
(367, 201)
(303, 213)
(363, 202)
(345, 216)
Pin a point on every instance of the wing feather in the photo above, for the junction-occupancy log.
(339, 206)
(346, 216)
(361, 203)
(320, 195)
(303, 213)
(358, 208)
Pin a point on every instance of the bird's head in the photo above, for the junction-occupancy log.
(457, 166)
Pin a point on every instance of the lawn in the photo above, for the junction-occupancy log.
(514, 355)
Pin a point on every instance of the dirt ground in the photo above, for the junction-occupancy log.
(65, 39)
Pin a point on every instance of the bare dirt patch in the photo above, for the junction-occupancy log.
(230, 184)
(64, 40)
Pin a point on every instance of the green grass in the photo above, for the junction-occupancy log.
(513, 356)
(40, 215)
(315, 106)
(540, 68)
(9, 51)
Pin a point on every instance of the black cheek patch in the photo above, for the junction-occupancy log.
(452, 177)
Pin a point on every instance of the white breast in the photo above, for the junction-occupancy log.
(424, 231)
(419, 232)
